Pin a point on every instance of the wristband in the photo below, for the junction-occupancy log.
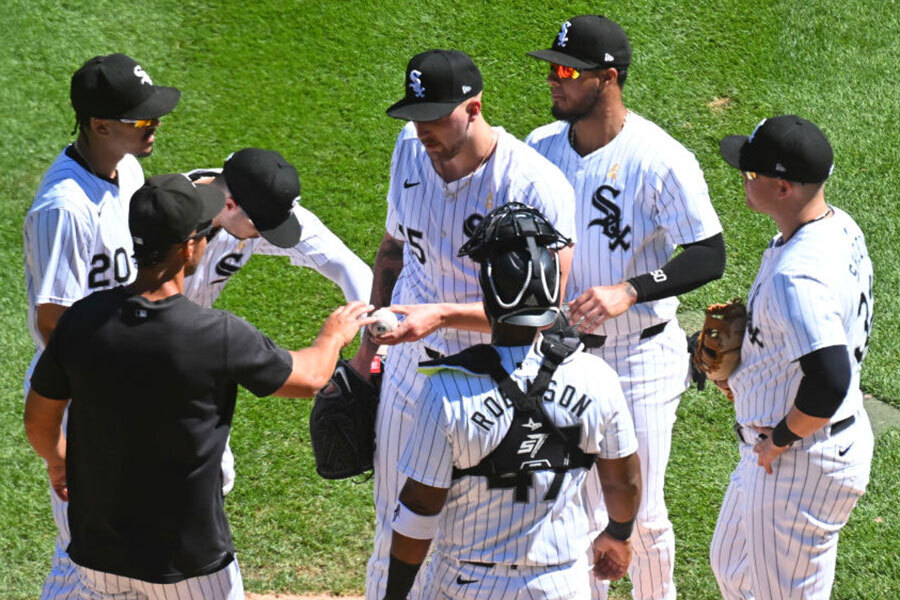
(782, 435)
(401, 576)
(619, 530)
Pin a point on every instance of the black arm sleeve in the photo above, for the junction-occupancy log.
(699, 263)
(401, 576)
(826, 378)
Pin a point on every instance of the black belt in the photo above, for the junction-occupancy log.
(836, 428)
(595, 341)
(487, 565)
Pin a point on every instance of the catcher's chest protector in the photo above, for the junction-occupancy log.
(533, 442)
(530, 445)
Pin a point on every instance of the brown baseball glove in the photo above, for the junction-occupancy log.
(718, 350)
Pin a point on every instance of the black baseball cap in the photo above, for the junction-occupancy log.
(266, 186)
(787, 147)
(116, 87)
(168, 208)
(437, 81)
(588, 42)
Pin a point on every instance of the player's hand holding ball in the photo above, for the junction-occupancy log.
(385, 322)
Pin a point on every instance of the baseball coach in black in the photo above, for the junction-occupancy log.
(152, 379)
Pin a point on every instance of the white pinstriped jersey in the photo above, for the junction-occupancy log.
(318, 248)
(462, 418)
(637, 198)
(434, 219)
(811, 292)
(76, 235)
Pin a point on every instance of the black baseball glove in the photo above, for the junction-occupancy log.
(342, 424)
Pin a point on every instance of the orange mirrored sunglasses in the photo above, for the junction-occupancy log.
(564, 72)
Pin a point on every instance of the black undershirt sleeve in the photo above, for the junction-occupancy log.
(699, 263)
(826, 378)
(401, 577)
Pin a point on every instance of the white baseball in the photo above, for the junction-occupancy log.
(386, 322)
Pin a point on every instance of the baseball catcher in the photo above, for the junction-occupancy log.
(718, 346)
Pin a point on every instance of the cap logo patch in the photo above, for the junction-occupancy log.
(416, 85)
(780, 168)
(466, 89)
(755, 129)
(563, 38)
(608, 57)
(140, 74)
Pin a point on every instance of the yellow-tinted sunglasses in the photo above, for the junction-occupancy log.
(140, 123)
(749, 175)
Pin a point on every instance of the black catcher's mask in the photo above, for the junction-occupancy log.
(519, 275)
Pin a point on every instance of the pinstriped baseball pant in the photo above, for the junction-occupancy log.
(401, 387)
(449, 578)
(653, 374)
(224, 584)
(776, 537)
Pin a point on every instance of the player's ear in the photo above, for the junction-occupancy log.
(99, 126)
(473, 108)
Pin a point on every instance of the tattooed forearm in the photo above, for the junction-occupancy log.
(388, 264)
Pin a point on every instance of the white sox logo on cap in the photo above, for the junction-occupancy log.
(563, 38)
(752, 135)
(416, 85)
(140, 74)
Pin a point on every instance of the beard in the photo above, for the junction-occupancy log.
(577, 111)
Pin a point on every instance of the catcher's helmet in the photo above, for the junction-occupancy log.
(519, 272)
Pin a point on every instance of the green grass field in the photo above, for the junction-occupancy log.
(312, 80)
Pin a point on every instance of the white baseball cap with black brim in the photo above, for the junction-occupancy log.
(437, 81)
(785, 147)
(267, 187)
(116, 87)
(588, 42)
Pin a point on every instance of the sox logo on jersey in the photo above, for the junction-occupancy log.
(638, 198)
(611, 222)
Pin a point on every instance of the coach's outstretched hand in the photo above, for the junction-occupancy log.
(345, 321)
(611, 557)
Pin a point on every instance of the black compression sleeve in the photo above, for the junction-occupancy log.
(401, 576)
(699, 263)
(826, 378)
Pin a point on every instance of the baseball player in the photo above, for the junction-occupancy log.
(805, 439)
(449, 168)
(262, 215)
(639, 195)
(153, 379)
(504, 437)
(76, 231)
